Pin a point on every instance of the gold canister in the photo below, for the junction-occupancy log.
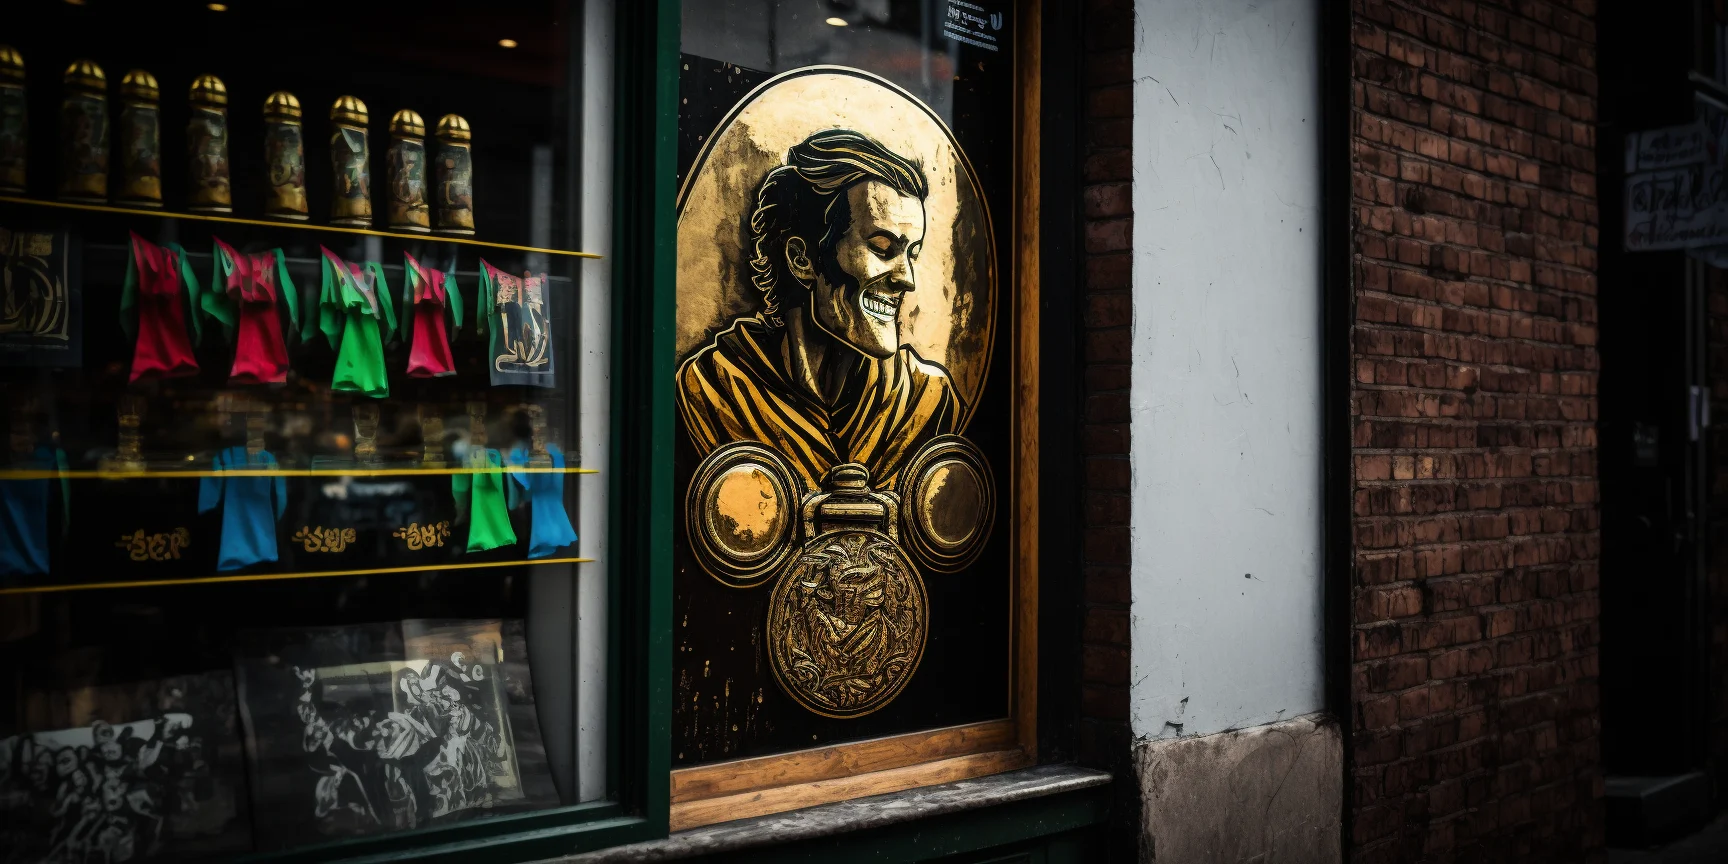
(454, 160)
(140, 141)
(207, 147)
(284, 157)
(407, 206)
(14, 122)
(351, 162)
(84, 134)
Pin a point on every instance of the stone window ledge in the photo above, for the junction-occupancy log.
(859, 814)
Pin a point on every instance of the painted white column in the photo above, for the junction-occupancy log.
(1226, 547)
(594, 290)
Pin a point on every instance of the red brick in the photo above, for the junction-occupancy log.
(1474, 386)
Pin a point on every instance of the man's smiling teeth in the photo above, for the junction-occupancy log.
(884, 306)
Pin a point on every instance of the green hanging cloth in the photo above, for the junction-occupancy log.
(356, 318)
(481, 496)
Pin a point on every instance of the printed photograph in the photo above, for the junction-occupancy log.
(385, 727)
(134, 772)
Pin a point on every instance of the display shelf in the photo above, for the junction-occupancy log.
(297, 226)
(274, 577)
(202, 262)
(173, 474)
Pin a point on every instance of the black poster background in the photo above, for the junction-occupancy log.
(726, 701)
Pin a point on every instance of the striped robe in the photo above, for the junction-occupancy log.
(740, 388)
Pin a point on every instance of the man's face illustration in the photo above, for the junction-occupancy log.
(873, 266)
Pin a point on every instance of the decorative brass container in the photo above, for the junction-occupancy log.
(284, 158)
(140, 141)
(454, 161)
(351, 160)
(14, 122)
(84, 134)
(407, 205)
(207, 147)
(431, 436)
(366, 432)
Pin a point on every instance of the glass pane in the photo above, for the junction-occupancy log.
(303, 419)
(844, 316)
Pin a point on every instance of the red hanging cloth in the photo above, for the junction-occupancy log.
(429, 356)
(156, 286)
(260, 354)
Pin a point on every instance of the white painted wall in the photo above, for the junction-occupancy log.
(1226, 377)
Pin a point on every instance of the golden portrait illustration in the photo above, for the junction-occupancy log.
(836, 306)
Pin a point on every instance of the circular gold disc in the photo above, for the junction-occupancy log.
(847, 623)
(746, 511)
(950, 504)
(740, 511)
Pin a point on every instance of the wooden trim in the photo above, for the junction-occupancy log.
(840, 760)
(1028, 65)
(695, 814)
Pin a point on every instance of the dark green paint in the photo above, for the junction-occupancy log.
(644, 300)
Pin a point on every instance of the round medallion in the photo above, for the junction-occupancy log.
(847, 623)
(949, 505)
(740, 513)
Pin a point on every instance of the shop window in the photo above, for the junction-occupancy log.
(304, 351)
(349, 510)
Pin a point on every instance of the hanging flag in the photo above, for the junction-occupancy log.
(430, 296)
(243, 296)
(159, 295)
(517, 310)
(356, 318)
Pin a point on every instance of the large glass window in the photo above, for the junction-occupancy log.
(303, 352)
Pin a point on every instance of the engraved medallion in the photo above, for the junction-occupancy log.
(847, 623)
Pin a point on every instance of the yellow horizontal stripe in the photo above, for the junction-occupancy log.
(302, 226)
(271, 577)
(43, 474)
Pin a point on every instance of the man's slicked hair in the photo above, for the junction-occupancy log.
(806, 198)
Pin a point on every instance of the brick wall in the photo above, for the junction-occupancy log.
(1475, 728)
(1106, 140)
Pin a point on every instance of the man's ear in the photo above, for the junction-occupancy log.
(798, 261)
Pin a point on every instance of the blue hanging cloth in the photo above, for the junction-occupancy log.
(549, 524)
(251, 506)
(24, 516)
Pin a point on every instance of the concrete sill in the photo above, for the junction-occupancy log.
(857, 815)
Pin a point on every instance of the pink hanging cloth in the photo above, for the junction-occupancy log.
(432, 295)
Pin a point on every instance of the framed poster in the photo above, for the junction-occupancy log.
(852, 565)
(41, 298)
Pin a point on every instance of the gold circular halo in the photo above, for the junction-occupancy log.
(950, 504)
(740, 512)
(847, 623)
(949, 319)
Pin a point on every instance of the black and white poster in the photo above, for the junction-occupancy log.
(387, 727)
(131, 772)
